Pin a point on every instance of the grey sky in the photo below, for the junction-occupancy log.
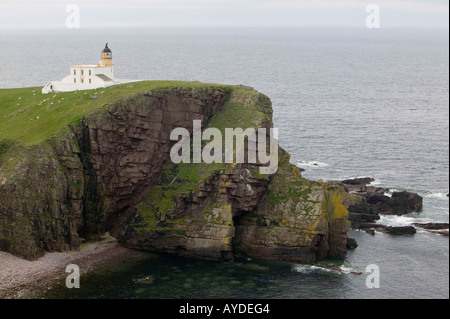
(193, 13)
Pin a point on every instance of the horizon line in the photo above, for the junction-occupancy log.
(3, 28)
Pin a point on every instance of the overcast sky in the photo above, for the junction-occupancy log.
(207, 13)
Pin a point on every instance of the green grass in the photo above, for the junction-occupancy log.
(29, 117)
(237, 114)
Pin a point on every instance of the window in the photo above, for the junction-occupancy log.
(82, 81)
(74, 80)
(74, 72)
(89, 80)
(81, 72)
(89, 72)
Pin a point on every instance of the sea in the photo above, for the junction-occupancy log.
(348, 102)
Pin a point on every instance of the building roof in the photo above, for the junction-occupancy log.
(84, 66)
(104, 77)
(106, 49)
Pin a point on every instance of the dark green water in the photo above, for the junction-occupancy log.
(404, 263)
(157, 276)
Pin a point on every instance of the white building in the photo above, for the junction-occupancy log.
(87, 76)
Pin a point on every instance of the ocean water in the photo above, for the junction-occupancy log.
(348, 102)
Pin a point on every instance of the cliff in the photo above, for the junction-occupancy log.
(74, 165)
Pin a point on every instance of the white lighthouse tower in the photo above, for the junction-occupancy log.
(87, 76)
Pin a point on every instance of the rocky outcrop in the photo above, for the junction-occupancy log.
(298, 220)
(35, 210)
(351, 243)
(366, 203)
(400, 230)
(233, 209)
(111, 171)
(432, 226)
(82, 182)
(404, 203)
(370, 228)
(198, 223)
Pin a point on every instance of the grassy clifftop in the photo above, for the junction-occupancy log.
(29, 117)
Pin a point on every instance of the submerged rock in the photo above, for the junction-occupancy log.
(442, 232)
(432, 226)
(437, 228)
(145, 280)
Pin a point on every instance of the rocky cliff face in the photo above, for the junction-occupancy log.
(111, 172)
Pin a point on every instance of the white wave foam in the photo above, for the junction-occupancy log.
(438, 195)
(311, 164)
(376, 182)
(394, 220)
(307, 269)
(347, 270)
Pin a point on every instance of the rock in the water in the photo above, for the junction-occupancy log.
(358, 181)
(400, 230)
(442, 232)
(351, 243)
(436, 228)
(361, 185)
(432, 226)
(366, 203)
(405, 202)
(145, 280)
(393, 230)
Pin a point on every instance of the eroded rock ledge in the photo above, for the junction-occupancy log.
(111, 172)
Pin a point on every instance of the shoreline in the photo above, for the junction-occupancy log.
(24, 279)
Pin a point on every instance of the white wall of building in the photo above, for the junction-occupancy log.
(82, 77)
(87, 74)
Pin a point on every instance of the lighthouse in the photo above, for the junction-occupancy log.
(87, 76)
(106, 57)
